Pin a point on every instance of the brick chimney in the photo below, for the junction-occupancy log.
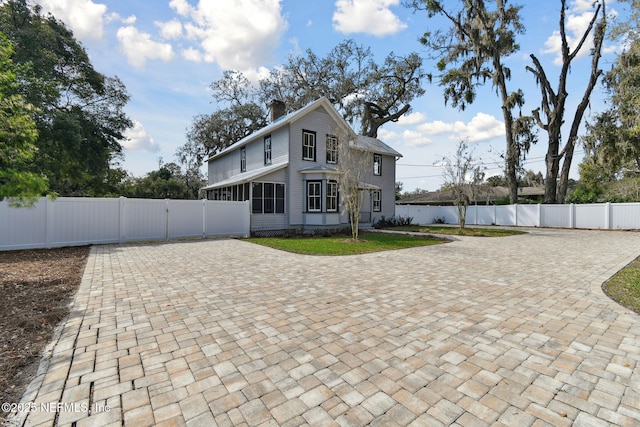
(277, 108)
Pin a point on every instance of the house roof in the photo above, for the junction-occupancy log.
(374, 145)
(245, 177)
(285, 120)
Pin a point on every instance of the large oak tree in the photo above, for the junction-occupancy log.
(367, 94)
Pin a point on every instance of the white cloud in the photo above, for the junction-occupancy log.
(482, 127)
(414, 138)
(239, 35)
(387, 135)
(170, 30)
(576, 24)
(182, 7)
(410, 138)
(411, 119)
(138, 139)
(138, 47)
(367, 16)
(84, 17)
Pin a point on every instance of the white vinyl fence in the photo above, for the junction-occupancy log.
(623, 216)
(74, 221)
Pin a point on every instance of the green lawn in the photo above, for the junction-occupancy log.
(467, 231)
(624, 287)
(342, 245)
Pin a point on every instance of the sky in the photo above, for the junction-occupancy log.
(168, 52)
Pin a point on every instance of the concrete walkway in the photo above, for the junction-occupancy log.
(511, 331)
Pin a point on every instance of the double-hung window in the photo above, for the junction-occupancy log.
(332, 196)
(332, 149)
(308, 145)
(377, 200)
(243, 159)
(377, 164)
(314, 196)
(267, 150)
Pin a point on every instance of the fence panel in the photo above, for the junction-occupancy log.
(591, 216)
(77, 221)
(23, 228)
(227, 218)
(185, 219)
(145, 219)
(506, 215)
(528, 215)
(484, 215)
(555, 216)
(420, 214)
(625, 216)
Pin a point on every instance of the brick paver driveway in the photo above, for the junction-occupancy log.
(511, 331)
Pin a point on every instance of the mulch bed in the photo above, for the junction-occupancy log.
(36, 288)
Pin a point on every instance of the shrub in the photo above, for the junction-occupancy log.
(393, 221)
(439, 220)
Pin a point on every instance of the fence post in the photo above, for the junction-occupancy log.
(539, 215)
(49, 227)
(572, 216)
(248, 218)
(166, 219)
(515, 214)
(607, 215)
(204, 218)
(122, 220)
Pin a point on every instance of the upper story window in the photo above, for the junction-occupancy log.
(377, 164)
(243, 159)
(308, 145)
(332, 149)
(267, 150)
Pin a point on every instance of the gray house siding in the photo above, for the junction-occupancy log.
(317, 121)
(386, 182)
(223, 168)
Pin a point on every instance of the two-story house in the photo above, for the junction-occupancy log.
(288, 171)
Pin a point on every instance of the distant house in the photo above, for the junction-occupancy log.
(486, 196)
(288, 171)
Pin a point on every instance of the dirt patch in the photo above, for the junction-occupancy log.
(36, 288)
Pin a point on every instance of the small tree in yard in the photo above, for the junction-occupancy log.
(463, 178)
(352, 167)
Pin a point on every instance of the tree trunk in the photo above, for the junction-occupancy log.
(563, 185)
(551, 177)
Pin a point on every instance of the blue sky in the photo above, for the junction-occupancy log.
(167, 53)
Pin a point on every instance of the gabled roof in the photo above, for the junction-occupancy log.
(374, 145)
(285, 120)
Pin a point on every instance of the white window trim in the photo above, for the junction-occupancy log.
(331, 196)
(316, 196)
(376, 196)
(306, 146)
(377, 165)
